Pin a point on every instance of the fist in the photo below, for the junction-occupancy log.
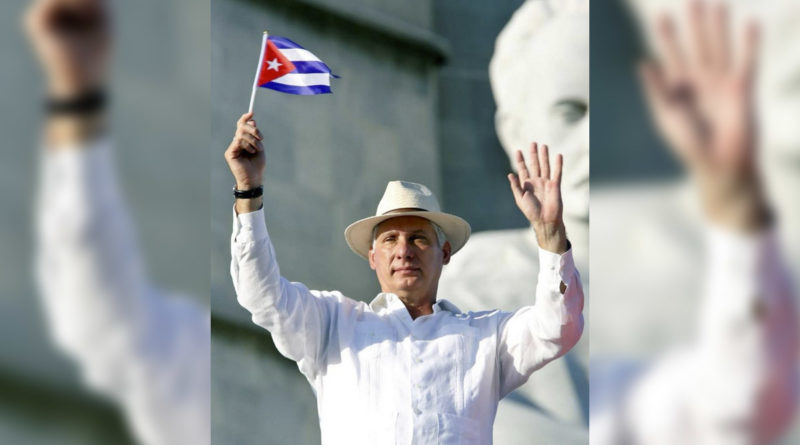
(71, 39)
(245, 154)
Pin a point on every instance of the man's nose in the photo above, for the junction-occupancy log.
(404, 249)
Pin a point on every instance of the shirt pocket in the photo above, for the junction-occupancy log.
(458, 430)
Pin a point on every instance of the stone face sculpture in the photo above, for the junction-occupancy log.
(539, 75)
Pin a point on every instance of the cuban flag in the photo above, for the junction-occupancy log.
(289, 68)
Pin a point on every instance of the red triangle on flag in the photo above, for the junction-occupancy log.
(274, 65)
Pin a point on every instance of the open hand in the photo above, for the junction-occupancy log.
(700, 95)
(537, 193)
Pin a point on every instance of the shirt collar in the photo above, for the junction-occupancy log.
(391, 303)
(445, 305)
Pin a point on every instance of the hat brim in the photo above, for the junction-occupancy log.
(359, 234)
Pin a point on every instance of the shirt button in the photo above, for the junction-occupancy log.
(417, 360)
(417, 411)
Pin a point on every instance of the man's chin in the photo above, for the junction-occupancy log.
(407, 284)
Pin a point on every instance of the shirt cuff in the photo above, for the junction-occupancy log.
(556, 268)
(249, 227)
(65, 164)
(738, 253)
(741, 267)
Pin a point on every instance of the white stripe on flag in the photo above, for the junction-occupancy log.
(299, 55)
(304, 80)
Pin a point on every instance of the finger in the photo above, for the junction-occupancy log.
(653, 84)
(697, 34)
(248, 139)
(245, 147)
(535, 160)
(244, 118)
(515, 187)
(749, 58)
(719, 40)
(522, 169)
(673, 59)
(249, 129)
(237, 150)
(557, 169)
(39, 16)
(243, 144)
(544, 162)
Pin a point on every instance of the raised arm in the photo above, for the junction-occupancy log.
(301, 322)
(534, 335)
(148, 353)
(737, 383)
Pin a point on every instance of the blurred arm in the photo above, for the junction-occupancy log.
(747, 351)
(737, 383)
(533, 336)
(147, 352)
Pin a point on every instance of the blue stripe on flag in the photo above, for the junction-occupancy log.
(303, 91)
(310, 67)
(283, 42)
(300, 66)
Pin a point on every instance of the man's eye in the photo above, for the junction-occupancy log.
(569, 111)
(388, 239)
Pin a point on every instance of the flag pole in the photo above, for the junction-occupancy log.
(258, 71)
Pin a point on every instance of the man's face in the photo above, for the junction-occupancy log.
(407, 258)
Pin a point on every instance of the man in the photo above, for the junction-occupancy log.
(146, 351)
(408, 367)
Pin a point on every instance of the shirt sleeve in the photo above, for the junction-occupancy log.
(737, 382)
(532, 336)
(148, 353)
(301, 321)
(747, 350)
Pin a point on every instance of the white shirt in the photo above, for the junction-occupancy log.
(381, 377)
(148, 352)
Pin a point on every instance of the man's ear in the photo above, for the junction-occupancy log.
(371, 258)
(446, 252)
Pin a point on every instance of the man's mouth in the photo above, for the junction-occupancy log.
(406, 270)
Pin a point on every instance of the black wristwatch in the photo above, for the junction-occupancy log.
(248, 194)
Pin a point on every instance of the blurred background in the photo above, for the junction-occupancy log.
(413, 102)
(647, 231)
(160, 117)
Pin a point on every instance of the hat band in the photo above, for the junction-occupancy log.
(404, 209)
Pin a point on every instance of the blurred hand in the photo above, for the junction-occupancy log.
(538, 196)
(245, 158)
(700, 95)
(72, 42)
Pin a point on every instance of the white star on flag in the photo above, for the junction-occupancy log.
(273, 64)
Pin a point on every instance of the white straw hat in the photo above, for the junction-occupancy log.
(403, 198)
